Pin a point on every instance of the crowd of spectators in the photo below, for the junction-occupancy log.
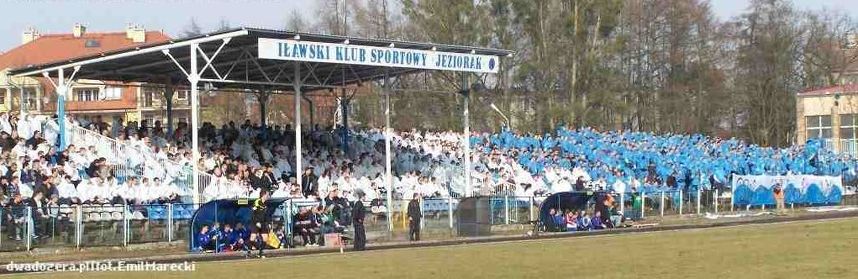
(311, 222)
(625, 161)
(149, 164)
(35, 175)
(604, 215)
(244, 159)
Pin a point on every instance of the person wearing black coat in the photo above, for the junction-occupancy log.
(261, 182)
(414, 216)
(309, 183)
(358, 214)
(269, 174)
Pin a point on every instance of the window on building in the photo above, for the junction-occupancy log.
(182, 94)
(818, 126)
(148, 97)
(3, 96)
(848, 126)
(112, 93)
(30, 98)
(86, 94)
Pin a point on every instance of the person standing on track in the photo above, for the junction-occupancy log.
(260, 223)
(414, 216)
(358, 212)
(779, 197)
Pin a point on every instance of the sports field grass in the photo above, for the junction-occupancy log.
(809, 249)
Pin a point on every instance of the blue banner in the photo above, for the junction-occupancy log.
(757, 190)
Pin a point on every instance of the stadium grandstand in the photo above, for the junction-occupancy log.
(77, 182)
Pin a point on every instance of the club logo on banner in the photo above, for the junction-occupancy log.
(756, 190)
(376, 56)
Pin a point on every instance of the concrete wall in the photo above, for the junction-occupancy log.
(824, 105)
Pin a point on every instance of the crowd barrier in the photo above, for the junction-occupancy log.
(77, 226)
(119, 225)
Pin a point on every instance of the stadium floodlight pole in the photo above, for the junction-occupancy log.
(194, 79)
(388, 132)
(506, 119)
(296, 85)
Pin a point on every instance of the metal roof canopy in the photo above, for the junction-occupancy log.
(235, 63)
(232, 59)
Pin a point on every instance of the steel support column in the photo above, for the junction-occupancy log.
(62, 86)
(466, 138)
(344, 110)
(62, 90)
(168, 95)
(312, 110)
(388, 132)
(262, 98)
(297, 81)
(194, 79)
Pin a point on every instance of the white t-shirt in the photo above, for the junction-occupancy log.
(67, 190)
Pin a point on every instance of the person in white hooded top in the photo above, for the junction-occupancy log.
(213, 190)
(92, 191)
(283, 190)
(145, 194)
(20, 150)
(85, 191)
(35, 123)
(128, 190)
(112, 191)
(67, 191)
(23, 128)
(5, 125)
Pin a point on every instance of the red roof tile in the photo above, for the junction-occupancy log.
(56, 47)
(841, 89)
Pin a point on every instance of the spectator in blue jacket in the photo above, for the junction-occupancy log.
(204, 240)
(559, 220)
(596, 223)
(231, 239)
(242, 232)
(217, 237)
(583, 221)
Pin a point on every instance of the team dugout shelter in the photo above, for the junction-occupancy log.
(279, 61)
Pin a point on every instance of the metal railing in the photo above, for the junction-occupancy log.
(128, 160)
(849, 146)
(23, 228)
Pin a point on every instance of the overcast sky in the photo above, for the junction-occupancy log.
(172, 16)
